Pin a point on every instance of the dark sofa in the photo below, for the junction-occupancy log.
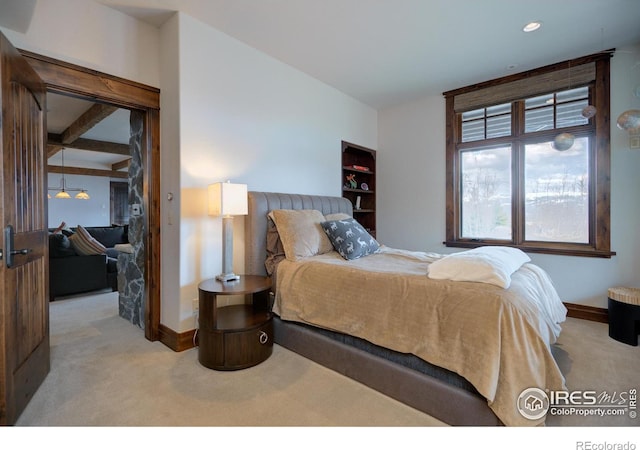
(70, 273)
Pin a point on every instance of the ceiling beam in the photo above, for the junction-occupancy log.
(52, 149)
(124, 164)
(91, 145)
(84, 171)
(101, 146)
(91, 117)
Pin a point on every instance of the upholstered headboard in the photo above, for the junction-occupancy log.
(255, 225)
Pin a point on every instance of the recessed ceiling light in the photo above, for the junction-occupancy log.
(532, 26)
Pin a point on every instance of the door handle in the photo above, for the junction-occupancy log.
(8, 244)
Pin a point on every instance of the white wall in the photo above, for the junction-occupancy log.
(411, 190)
(170, 307)
(94, 36)
(249, 118)
(227, 112)
(231, 112)
(88, 213)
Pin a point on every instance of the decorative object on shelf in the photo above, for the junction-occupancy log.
(227, 200)
(563, 141)
(363, 168)
(351, 178)
(358, 198)
(63, 190)
(364, 186)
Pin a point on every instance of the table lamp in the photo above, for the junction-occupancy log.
(227, 200)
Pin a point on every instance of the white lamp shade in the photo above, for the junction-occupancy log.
(228, 199)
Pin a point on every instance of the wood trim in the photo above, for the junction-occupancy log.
(151, 193)
(586, 312)
(452, 202)
(531, 73)
(526, 87)
(602, 158)
(600, 187)
(176, 341)
(69, 79)
(66, 78)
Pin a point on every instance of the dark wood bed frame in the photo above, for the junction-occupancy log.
(450, 404)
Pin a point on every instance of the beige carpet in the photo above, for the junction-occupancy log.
(592, 361)
(104, 373)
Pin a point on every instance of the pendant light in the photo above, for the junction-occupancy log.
(63, 185)
(82, 195)
(564, 141)
(629, 120)
(62, 193)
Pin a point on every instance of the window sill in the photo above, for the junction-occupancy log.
(565, 250)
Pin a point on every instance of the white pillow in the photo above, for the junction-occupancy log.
(493, 265)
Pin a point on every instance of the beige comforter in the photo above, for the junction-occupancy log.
(498, 339)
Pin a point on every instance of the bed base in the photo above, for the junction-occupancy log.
(450, 404)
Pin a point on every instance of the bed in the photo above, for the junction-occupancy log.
(478, 346)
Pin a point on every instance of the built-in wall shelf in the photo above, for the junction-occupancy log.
(359, 183)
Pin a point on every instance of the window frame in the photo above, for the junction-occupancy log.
(599, 158)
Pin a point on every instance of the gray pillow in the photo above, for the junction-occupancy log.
(349, 238)
(60, 246)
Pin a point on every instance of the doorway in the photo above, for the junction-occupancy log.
(88, 150)
(118, 202)
(69, 79)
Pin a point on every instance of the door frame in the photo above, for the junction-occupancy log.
(69, 79)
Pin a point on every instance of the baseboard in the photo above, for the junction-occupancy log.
(585, 312)
(176, 341)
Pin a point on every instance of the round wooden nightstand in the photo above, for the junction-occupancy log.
(237, 336)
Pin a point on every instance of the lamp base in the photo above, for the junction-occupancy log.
(225, 277)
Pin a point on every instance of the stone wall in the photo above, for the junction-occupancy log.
(131, 285)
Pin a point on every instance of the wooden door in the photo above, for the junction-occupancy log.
(24, 309)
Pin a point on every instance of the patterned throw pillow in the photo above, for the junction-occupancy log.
(349, 238)
(85, 244)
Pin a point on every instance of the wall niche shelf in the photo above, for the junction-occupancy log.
(359, 183)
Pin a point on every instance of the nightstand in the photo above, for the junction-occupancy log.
(237, 336)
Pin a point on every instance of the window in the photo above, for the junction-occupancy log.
(527, 166)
